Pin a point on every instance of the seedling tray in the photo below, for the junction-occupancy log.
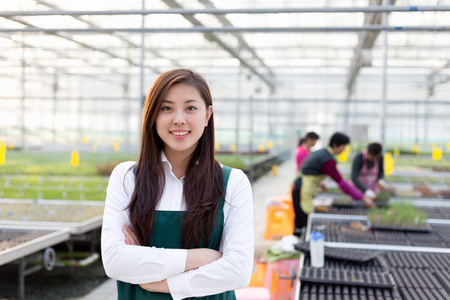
(335, 292)
(436, 261)
(341, 253)
(346, 277)
(357, 204)
(444, 278)
(377, 265)
(411, 293)
(424, 228)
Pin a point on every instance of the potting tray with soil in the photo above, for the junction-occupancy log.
(347, 277)
(322, 291)
(45, 211)
(355, 255)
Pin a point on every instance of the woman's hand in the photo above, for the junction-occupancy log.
(130, 236)
(323, 188)
(368, 202)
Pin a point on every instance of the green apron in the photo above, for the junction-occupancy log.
(166, 233)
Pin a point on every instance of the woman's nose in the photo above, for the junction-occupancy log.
(179, 118)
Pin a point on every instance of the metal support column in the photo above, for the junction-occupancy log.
(251, 132)
(141, 77)
(22, 106)
(384, 81)
(238, 104)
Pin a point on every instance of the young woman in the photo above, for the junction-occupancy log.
(315, 168)
(304, 147)
(177, 224)
(368, 170)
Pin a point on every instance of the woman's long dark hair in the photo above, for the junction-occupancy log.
(203, 182)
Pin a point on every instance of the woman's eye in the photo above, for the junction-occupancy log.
(165, 108)
(191, 108)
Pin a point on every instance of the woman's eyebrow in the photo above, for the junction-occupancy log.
(187, 101)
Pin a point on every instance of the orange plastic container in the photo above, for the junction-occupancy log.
(281, 289)
(279, 219)
(259, 274)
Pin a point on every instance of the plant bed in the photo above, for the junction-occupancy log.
(400, 217)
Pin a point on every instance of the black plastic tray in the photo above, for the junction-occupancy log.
(426, 228)
(340, 253)
(357, 204)
(346, 277)
(411, 293)
(335, 292)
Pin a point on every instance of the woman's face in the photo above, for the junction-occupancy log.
(182, 119)
(310, 143)
(338, 149)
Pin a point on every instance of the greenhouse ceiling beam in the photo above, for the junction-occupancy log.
(180, 10)
(242, 42)
(210, 36)
(127, 41)
(225, 29)
(68, 38)
(366, 40)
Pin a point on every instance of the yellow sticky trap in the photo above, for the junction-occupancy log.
(261, 148)
(396, 153)
(2, 153)
(75, 159)
(270, 145)
(217, 146)
(389, 164)
(233, 148)
(10, 146)
(448, 146)
(343, 157)
(116, 147)
(415, 149)
(274, 170)
(84, 140)
(436, 154)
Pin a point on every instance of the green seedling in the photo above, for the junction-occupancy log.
(403, 215)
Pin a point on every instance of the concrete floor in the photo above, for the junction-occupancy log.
(264, 187)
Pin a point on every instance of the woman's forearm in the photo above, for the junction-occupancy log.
(159, 287)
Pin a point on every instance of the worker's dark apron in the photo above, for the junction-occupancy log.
(166, 233)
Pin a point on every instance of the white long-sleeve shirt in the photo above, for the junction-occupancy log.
(140, 264)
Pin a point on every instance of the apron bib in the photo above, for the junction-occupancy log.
(369, 177)
(166, 233)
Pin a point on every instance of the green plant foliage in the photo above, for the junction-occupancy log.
(398, 215)
(383, 196)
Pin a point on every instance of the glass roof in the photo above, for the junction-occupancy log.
(282, 59)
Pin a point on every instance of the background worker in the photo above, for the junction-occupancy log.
(315, 168)
(304, 147)
(368, 170)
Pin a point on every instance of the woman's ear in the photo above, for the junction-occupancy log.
(208, 115)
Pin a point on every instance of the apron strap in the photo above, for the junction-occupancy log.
(226, 175)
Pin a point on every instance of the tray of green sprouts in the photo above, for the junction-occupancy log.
(383, 199)
(399, 216)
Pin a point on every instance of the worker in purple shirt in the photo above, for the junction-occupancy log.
(314, 169)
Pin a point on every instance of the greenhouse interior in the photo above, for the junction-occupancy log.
(370, 75)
